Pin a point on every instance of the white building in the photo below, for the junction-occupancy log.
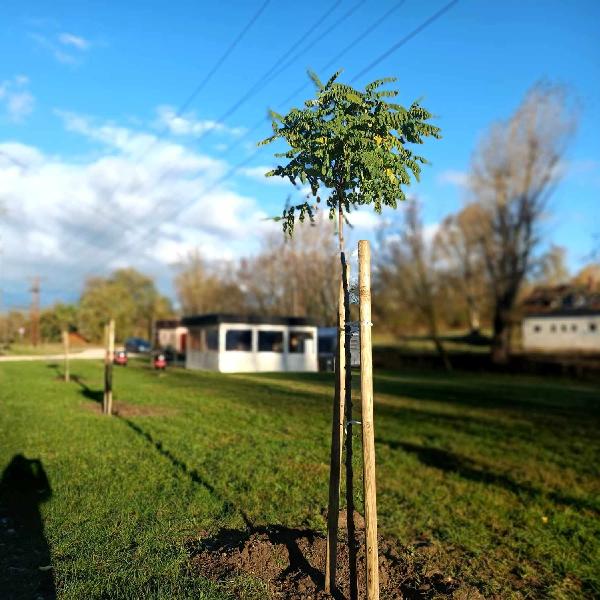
(170, 334)
(327, 347)
(235, 343)
(575, 329)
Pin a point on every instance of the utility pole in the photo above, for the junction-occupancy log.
(34, 312)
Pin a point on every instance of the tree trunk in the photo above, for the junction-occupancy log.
(433, 330)
(474, 323)
(501, 335)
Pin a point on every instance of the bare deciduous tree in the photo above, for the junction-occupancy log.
(515, 170)
(552, 268)
(408, 274)
(202, 287)
(457, 246)
(293, 276)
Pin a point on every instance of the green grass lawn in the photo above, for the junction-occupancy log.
(39, 350)
(492, 479)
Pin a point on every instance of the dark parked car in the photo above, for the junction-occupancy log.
(134, 344)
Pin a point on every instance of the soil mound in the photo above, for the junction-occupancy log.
(291, 563)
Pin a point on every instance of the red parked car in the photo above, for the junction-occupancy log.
(160, 361)
(120, 358)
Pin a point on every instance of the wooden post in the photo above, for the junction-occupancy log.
(108, 366)
(348, 419)
(368, 436)
(337, 439)
(65, 337)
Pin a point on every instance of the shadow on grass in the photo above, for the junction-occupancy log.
(25, 566)
(193, 474)
(87, 392)
(473, 338)
(530, 400)
(467, 468)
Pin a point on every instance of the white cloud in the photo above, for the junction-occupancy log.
(68, 39)
(58, 44)
(143, 202)
(365, 219)
(258, 174)
(16, 100)
(189, 125)
(429, 232)
(453, 177)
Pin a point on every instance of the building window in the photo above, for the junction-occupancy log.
(238, 340)
(592, 326)
(563, 327)
(553, 328)
(270, 341)
(212, 339)
(573, 327)
(298, 339)
(537, 328)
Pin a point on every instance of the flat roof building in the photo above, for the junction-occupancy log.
(240, 343)
(562, 318)
(562, 330)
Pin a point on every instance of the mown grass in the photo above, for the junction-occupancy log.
(39, 350)
(494, 479)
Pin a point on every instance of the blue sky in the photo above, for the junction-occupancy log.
(86, 88)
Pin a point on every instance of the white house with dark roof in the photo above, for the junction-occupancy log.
(562, 329)
(238, 343)
(562, 318)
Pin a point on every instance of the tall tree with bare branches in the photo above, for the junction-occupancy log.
(408, 272)
(515, 169)
(458, 250)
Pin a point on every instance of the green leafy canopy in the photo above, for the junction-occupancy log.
(352, 144)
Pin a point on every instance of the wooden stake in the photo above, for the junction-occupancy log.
(65, 337)
(348, 419)
(108, 366)
(337, 438)
(368, 436)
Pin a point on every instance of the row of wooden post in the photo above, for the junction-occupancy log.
(341, 425)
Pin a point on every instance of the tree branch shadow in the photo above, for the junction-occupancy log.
(469, 469)
(193, 474)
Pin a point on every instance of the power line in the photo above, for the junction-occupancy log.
(356, 40)
(186, 104)
(341, 53)
(256, 87)
(221, 60)
(240, 165)
(13, 160)
(405, 39)
(332, 28)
